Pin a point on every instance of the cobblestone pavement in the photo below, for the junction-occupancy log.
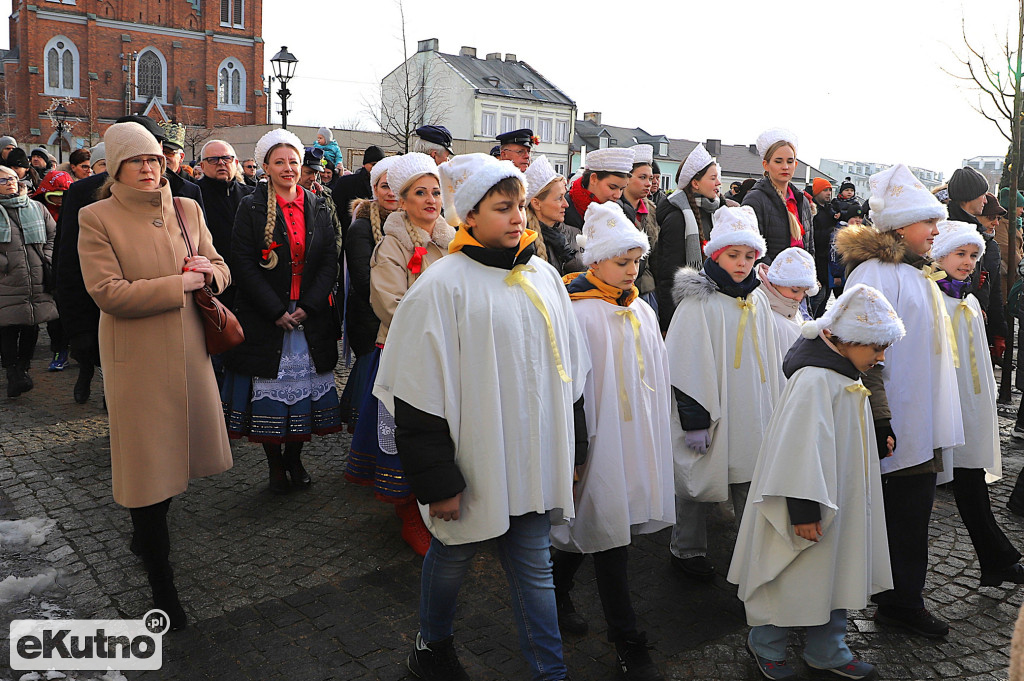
(318, 585)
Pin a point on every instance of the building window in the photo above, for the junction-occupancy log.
(561, 132)
(232, 13)
(61, 59)
(663, 149)
(231, 85)
(488, 121)
(508, 123)
(665, 180)
(545, 129)
(526, 122)
(602, 142)
(151, 76)
(560, 169)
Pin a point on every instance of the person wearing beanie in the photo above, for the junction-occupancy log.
(783, 212)
(657, 193)
(914, 395)
(348, 188)
(812, 543)
(725, 365)
(825, 221)
(141, 271)
(18, 161)
(480, 460)
(634, 197)
(98, 156)
(325, 141)
(41, 160)
(604, 177)
(6, 144)
(626, 486)
(545, 214)
(791, 277)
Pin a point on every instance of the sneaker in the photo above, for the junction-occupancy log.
(1013, 574)
(569, 621)
(635, 660)
(920, 621)
(771, 669)
(436, 661)
(59, 362)
(696, 567)
(854, 669)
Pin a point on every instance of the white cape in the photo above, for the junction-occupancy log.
(473, 350)
(626, 487)
(814, 449)
(920, 384)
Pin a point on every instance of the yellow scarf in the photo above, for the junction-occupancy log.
(463, 237)
(601, 291)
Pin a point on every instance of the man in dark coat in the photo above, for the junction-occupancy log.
(824, 221)
(355, 186)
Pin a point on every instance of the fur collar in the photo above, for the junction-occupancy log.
(361, 209)
(396, 223)
(691, 283)
(859, 243)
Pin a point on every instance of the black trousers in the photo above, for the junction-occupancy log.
(971, 493)
(17, 344)
(58, 340)
(152, 541)
(610, 568)
(908, 510)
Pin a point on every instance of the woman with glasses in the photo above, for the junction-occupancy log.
(79, 164)
(166, 424)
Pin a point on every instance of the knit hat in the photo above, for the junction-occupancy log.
(847, 185)
(735, 227)
(954, 234)
(326, 132)
(655, 168)
(404, 169)
(794, 267)
(379, 169)
(272, 139)
(17, 158)
(899, 199)
(696, 161)
(819, 185)
(467, 178)
(98, 153)
(372, 154)
(966, 184)
(7, 140)
(41, 153)
(539, 175)
(861, 315)
(769, 137)
(850, 209)
(642, 153)
(1004, 197)
(992, 208)
(608, 233)
(611, 160)
(125, 140)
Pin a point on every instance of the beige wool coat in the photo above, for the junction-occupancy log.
(166, 419)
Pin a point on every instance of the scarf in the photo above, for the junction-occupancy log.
(556, 242)
(33, 225)
(796, 232)
(692, 238)
(585, 286)
(502, 258)
(787, 307)
(724, 283)
(581, 198)
(953, 288)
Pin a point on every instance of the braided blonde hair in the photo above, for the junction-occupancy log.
(375, 226)
(268, 231)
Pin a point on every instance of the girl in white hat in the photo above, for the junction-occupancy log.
(725, 365)
(604, 178)
(545, 214)
(634, 199)
(790, 278)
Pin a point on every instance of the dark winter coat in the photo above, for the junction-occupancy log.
(263, 295)
(772, 218)
(361, 324)
(78, 311)
(23, 300)
(221, 200)
(825, 222)
(185, 188)
(347, 188)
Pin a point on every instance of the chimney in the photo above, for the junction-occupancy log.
(510, 57)
(593, 117)
(753, 148)
(428, 45)
(714, 147)
(492, 56)
(467, 52)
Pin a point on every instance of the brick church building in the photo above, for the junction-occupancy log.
(195, 62)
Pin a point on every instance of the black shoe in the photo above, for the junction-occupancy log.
(1015, 508)
(920, 621)
(436, 661)
(83, 386)
(697, 567)
(13, 382)
(1013, 574)
(569, 621)
(278, 475)
(298, 474)
(634, 660)
(165, 597)
(26, 380)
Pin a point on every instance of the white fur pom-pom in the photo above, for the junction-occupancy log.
(810, 330)
(581, 241)
(877, 204)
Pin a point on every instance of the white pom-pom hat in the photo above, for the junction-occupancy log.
(539, 175)
(608, 233)
(954, 234)
(467, 178)
(769, 137)
(611, 160)
(275, 137)
(861, 315)
(379, 168)
(407, 168)
(735, 227)
(696, 161)
(794, 267)
(642, 153)
(899, 199)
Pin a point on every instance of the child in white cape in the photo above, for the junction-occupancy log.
(790, 279)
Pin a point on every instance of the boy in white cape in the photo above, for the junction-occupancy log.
(812, 543)
(790, 278)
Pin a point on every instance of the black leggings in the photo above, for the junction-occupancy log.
(17, 344)
(612, 586)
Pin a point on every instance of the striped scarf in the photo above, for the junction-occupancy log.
(30, 216)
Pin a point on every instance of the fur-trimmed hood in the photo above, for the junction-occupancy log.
(361, 209)
(691, 283)
(395, 225)
(859, 243)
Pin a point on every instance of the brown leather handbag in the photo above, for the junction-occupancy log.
(220, 325)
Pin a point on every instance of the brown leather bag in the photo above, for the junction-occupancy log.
(220, 325)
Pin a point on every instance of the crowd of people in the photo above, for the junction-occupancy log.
(553, 363)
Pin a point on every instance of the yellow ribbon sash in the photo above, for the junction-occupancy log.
(630, 319)
(965, 310)
(933, 274)
(517, 278)
(859, 389)
(749, 308)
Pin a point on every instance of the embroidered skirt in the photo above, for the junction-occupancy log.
(360, 382)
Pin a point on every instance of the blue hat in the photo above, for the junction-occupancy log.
(438, 134)
(496, 150)
(524, 137)
(314, 158)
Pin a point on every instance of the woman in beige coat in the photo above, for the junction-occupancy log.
(414, 237)
(166, 423)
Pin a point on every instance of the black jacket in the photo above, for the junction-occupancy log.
(78, 312)
(186, 188)
(263, 295)
(347, 188)
(989, 293)
(221, 201)
(824, 226)
(772, 218)
(670, 254)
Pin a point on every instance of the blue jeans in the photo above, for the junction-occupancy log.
(690, 533)
(826, 643)
(524, 552)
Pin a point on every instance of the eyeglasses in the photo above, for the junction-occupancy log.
(217, 160)
(250, 166)
(138, 162)
(7, 180)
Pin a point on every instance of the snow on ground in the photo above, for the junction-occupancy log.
(27, 532)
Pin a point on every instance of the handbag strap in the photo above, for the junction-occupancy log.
(181, 224)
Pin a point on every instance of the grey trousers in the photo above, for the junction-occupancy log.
(690, 533)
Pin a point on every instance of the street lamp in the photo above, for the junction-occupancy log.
(284, 68)
(61, 112)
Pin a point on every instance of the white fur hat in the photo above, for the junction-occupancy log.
(539, 175)
(642, 153)
(769, 137)
(379, 168)
(735, 227)
(275, 137)
(696, 161)
(611, 160)
(861, 315)
(607, 232)
(406, 168)
(952, 235)
(899, 199)
(794, 267)
(467, 178)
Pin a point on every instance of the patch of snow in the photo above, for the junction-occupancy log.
(27, 532)
(54, 674)
(17, 588)
(31, 676)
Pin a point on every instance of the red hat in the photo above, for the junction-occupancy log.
(819, 185)
(55, 181)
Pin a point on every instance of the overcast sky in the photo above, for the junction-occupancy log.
(854, 80)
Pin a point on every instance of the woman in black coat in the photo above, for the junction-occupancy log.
(279, 383)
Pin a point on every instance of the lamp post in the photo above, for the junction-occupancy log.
(61, 112)
(284, 68)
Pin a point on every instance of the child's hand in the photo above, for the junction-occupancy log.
(698, 440)
(446, 510)
(890, 442)
(809, 531)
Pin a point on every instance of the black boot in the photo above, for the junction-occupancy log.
(278, 475)
(13, 382)
(293, 463)
(83, 386)
(154, 544)
(26, 380)
(634, 660)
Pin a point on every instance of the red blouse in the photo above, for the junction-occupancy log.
(295, 222)
(792, 208)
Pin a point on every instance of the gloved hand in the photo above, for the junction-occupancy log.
(982, 277)
(998, 347)
(883, 431)
(698, 440)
